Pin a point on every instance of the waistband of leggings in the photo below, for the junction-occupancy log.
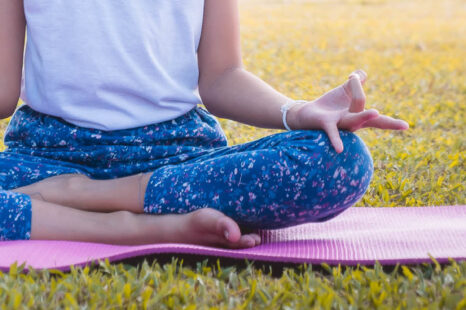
(30, 128)
(25, 111)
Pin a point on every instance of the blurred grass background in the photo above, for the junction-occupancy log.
(414, 53)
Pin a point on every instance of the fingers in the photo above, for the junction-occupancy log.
(334, 136)
(358, 98)
(354, 90)
(354, 121)
(361, 74)
(386, 122)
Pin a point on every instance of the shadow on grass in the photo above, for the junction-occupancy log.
(274, 269)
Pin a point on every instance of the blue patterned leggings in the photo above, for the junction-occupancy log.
(283, 179)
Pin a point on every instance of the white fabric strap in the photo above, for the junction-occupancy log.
(288, 105)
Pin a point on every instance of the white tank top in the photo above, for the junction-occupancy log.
(112, 64)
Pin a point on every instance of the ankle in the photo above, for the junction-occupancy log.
(134, 228)
(166, 228)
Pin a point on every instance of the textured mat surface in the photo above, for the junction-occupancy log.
(357, 236)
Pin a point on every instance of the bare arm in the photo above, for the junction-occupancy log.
(12, 33)
(229, 91)
(226, 88)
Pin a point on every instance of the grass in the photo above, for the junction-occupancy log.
(174, 286)
(413, 52)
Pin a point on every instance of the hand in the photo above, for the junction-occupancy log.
(342, 108)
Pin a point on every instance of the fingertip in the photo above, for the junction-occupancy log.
(404, 125)
(339, 147)
(359, 74)
(363, 74)
(370, 114)
(375, 112)
(336, 143)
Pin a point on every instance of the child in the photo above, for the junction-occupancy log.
(111, 145)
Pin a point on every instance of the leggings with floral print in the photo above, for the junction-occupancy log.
(280, 180)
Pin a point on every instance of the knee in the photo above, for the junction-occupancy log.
(349, 172)
(348, 177)
(313, 147)
(356, 157)
(332, 182)
(317, 183)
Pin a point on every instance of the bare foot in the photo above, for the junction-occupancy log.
(212, 228)
(204, 227)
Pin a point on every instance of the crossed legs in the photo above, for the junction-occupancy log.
(74, 207)
(317, 184)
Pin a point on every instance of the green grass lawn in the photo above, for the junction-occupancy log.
(414, 54)
(211, 286)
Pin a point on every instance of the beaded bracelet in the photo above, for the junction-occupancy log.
(288, 105)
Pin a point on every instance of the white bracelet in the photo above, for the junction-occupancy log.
(288, 105)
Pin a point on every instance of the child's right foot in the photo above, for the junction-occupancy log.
(206, 226)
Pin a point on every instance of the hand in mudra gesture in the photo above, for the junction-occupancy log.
(343, 108)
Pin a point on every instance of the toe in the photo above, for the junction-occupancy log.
(228, 229)
(217, 228)
(246, 241)
(215, 222)
(256, 238)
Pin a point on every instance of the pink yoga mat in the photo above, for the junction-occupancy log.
(357, 236)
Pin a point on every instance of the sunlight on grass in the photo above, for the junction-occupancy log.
(414, 54)
(205, 285)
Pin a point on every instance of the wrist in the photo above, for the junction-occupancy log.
(292, 118)
(290, 114)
